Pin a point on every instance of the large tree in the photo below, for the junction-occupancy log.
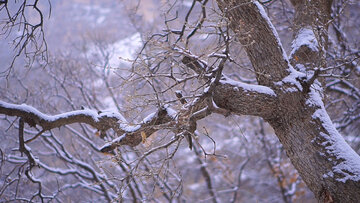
(288, 95)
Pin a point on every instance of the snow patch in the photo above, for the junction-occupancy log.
(121, 52)
(206, 90)
(305, 37)
(194, 187)
(329, 174)
(118, 139)
(113, 114)
(187, 3)
(149, 117)
(357, 69)
(315, 95)
(248, 87)
(114, 141)
(171, 112)
(349, 160)
(265, 16)
(30, 109)
(125, 49)
(292, 79)
(349, 165)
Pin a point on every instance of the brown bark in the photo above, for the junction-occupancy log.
(299, 118)
(237, 97)
(314, 15)
(102, 121)
(263, 54)
(289, 101)
(306, 140)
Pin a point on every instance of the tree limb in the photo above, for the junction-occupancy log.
(131, 134)
(257, 34)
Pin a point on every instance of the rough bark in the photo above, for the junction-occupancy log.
(263, 54)
(308, 152)
(238, 97)
(313, 15)
(288, 99)
(102, 121)
(329, 167)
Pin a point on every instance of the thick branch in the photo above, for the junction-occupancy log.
(238, 97)
(131, 134)
(245, 99)
(310, 27)
(33, 117)
(259, 38)
(324, 160)
(149, 125)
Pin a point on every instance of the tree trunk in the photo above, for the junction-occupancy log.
(288, 97)
(327, 164)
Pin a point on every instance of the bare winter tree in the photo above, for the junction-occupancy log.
(30, 42)
(187, 72)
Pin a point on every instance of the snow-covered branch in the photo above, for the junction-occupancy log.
(260, 39)
(237, 97)
(102, 121)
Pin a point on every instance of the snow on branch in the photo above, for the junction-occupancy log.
(257, 89)
(33, 117)
(245, 99)
(347, 161)
(237, 97)
(259, 37)
(102, 121)
(304, 38)
(273, 30)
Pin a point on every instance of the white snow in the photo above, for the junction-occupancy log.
(329, 174)
(265, 16)
(171, 112)
(349, 160)
(195, 186)
(129, 128)
(305, 37)
(206, 90)
(300, 67)
(30, 109)
(113, 114)
(121, 51)
(149, 117)
(114, 141)
(118, 139)
(292, 189)
(315, 98)
(357, 69)
(125, 49)
(248, 87)
(87, 112)
(292, 79)
(214, 54)
(124, 125)
(187, 3)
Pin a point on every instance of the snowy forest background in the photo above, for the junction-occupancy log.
(91, 47)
